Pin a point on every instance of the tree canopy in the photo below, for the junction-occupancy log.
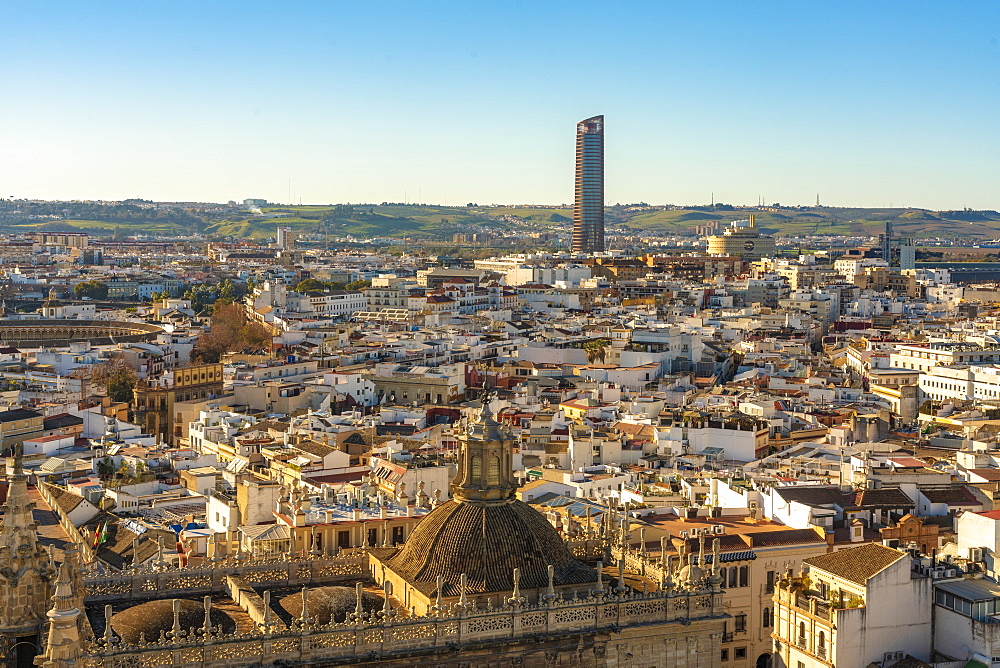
(596, 350)
(92, 289)
(117, 378)
(229, 331)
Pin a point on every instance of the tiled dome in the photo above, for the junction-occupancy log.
(152, 617)
(486, 542)
(328, 604)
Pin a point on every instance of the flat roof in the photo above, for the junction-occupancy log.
(972, 590)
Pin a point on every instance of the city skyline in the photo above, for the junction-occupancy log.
(867, 106)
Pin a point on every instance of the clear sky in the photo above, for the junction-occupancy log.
(865, 103)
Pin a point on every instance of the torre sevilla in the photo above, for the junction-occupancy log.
(588, 204)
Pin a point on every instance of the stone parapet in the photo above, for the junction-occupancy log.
(383, 635)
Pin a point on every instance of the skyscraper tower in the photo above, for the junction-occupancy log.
(588, 205)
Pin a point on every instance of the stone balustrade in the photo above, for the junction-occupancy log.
(383, 634)
(143, 582)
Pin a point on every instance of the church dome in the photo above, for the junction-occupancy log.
(52, 301)
(328, 604)
(486, 542)
(152, 617)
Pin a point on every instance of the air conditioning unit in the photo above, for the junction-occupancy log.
(951, 573)
(893, 656)
(975, 554)
(718, 528)
(753, 505)
(684, 534)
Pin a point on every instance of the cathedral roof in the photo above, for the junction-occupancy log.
(151, 618)
(486, 542)
(329, 604)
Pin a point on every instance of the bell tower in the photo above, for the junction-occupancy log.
(485, 461)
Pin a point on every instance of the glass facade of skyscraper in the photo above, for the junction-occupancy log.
(588, 205)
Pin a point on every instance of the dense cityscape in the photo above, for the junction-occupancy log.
(718, 447)
(450, 334)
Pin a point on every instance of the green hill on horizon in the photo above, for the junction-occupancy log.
(432, 222)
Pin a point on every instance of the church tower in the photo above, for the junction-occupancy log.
(474, 546)
(25, 573)
(485, 463)
(52, 307)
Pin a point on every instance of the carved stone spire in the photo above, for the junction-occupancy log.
(25, 572)
(64, 645)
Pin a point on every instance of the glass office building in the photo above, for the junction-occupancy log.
(588, 206)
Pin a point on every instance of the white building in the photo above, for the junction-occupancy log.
(339, 303)
(961, 382)
(925, 356)
(856, 607)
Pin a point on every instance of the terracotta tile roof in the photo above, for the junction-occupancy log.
(987, 474)
(65, 500)
(857, 564)
(953, 495)
(118, 551)
(790, 537)
(886, 497)
(812, 495)
(314, 448)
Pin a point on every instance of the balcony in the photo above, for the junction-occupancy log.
(795, 593)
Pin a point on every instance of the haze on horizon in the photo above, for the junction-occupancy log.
(871, 105)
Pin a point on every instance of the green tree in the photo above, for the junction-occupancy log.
(105, 467)
(358, 285)
(230, 330)
(227, 291)
(117, 378)
(309, 285)
(91, 289)
(597, 350)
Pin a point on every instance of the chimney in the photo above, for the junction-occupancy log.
(357, 514)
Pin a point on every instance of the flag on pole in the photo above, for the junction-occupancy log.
(100, 532)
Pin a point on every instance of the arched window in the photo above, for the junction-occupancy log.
(766, 618)
(802, 633)
(744, 576)
(822, 641)
(732, 577)
(477, 468)
(494, 473)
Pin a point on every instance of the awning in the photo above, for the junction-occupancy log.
(727, 557)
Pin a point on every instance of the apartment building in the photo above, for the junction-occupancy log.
(854, 607)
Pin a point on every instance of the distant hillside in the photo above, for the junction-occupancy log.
(440, 223)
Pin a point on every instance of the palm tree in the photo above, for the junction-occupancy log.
(596, 350)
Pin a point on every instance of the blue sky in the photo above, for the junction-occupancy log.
(866, 104)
